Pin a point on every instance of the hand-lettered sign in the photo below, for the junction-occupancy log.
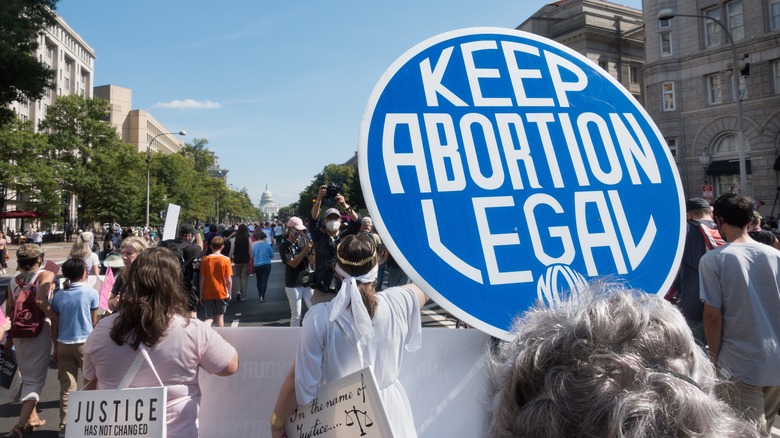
(345, 408)
(502, 168)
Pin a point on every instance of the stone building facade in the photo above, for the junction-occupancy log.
(689, 92)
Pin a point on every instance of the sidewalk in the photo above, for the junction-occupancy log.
(55, 251)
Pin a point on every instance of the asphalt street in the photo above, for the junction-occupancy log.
(275, 311)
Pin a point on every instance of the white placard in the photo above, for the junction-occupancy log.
(347, 408)
(132, 412)
(171, 219)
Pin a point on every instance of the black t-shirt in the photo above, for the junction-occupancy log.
(241, 250)
(325, 247)
(288, 251)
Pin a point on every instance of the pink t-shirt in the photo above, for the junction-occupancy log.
(189, 345)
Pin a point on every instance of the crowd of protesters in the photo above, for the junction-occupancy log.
(640, 354)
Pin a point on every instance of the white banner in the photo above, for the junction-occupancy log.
(445, 381)
(132, 412)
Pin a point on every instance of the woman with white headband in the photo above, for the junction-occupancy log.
(358, 328)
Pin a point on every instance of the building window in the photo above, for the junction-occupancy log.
(672, 143)
(776, 75)
(711, 28)
(736, 20)
(669, 101)
(666, 43)
(726, 148)
(774, 14)
(713, 89)
(604, 65)
(665, 23)
(633, 74)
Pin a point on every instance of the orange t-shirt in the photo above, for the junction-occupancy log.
(214, 268)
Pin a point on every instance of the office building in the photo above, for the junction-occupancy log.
(136, 127)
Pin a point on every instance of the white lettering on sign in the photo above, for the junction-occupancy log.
(614, 234)
(593, 132)
(432, 78)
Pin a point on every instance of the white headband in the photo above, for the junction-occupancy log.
(349, 293)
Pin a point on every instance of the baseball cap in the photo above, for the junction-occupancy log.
(696, 204)
(331, 211)
(367, 221)
(296, 223)
(186, 229)
(29, 251)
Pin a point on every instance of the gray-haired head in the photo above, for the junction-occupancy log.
(610, 363)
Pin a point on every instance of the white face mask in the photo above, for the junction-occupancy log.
(334, 225)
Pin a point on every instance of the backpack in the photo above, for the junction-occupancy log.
(186, 271)
(712, 237)
(26, 317)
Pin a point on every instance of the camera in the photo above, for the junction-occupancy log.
(332, 190)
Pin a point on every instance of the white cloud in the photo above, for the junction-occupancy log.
(188, 104)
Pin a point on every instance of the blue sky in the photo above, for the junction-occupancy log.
(277, 88)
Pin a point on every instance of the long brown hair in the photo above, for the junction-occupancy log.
(356, 255)
(152, 296)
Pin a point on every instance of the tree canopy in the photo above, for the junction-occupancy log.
(22, 75)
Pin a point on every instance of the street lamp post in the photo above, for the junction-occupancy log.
(668, 14)
(148, 162)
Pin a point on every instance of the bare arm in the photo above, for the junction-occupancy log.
(43, 291)
(347, 208)
(295, 261)
(285, 402)
(93, 313)
(199, 241)
(418, 293)
(315, 209)
(229, 285)
(713, 331)
(232, 367)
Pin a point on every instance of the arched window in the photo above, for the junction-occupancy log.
(725, 144)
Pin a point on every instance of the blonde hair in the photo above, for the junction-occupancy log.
(137, 243)
(82, 248)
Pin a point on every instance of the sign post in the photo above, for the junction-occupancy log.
(502, 168)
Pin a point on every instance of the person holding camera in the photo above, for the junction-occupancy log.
(295, 252)
(326, 236)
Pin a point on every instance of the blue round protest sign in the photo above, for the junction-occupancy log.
(502, 169)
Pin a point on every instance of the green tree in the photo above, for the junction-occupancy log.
(22, 76)
(24, 172)
(203, 158)
(120, 185)
(91, 162)
(238, 206)
(174, 181)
